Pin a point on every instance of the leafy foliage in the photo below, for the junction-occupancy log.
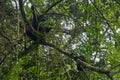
(89, 28)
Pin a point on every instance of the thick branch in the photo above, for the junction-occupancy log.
(33, 46)
(103, 71)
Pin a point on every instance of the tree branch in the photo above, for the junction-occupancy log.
(117, 2)
(86, 65)
(3, 59)
(4, 36)
(115, 72)
(28, 50)
(115, 66)
(53, 5)
(103, 17)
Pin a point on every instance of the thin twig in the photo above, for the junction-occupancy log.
(115, 72)
(115, 66)
(2, 34)
(28, 50)
(53, 6)
(102, 17)
(117, 2)
(3, 59)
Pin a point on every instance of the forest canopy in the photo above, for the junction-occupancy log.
(59, 39)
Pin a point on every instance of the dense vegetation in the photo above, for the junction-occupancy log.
(83, 42)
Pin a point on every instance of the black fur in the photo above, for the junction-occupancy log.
(34, 22)
(79, 66)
